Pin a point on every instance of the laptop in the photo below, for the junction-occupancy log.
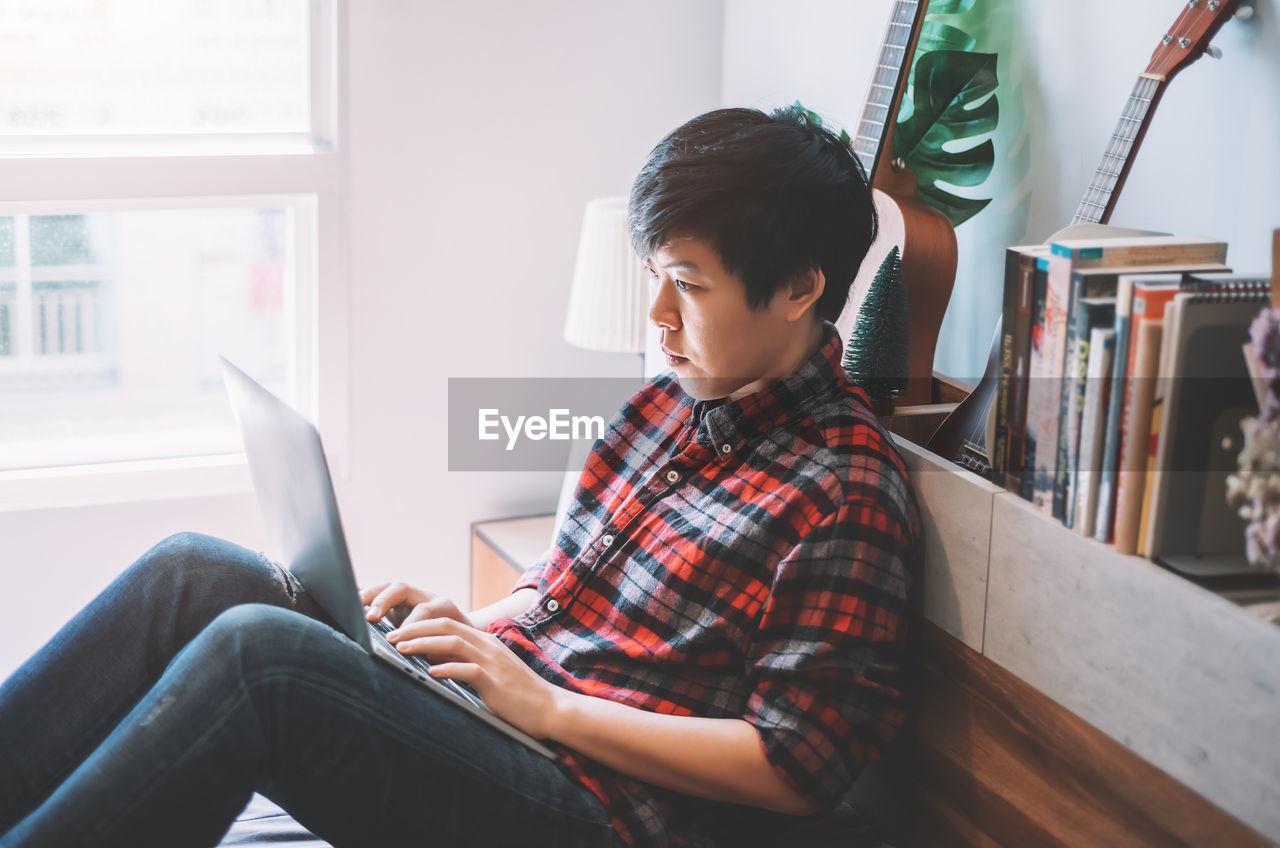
(295, 494)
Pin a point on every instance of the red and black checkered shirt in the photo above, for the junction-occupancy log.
(747, 559)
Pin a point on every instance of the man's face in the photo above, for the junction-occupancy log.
(715, 343)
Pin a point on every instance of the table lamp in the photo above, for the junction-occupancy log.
(609, 301)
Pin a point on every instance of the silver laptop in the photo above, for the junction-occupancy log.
(295, 494)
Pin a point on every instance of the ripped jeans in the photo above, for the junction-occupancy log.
(204, 673)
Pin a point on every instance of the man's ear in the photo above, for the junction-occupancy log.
(802, 293)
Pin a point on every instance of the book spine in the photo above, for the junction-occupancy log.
(1115, 405)
(999, 449)
(1067, 387)
(1148, 490)
(1015, 451)
(1133, 469)
(1087, 317)
(1148, 305)
(1074, 411)
(1092, 425)
(1130, 255)
(1047, 383)
(1035, 354)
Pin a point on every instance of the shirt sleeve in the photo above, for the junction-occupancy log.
(827, 656)
(532, 576)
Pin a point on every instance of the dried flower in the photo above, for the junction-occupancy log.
(1264, 332)
(1255, 490)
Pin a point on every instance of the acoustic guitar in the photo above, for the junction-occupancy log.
(924, 237)
(965, 434)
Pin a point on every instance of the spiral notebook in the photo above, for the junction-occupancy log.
(1193, 529)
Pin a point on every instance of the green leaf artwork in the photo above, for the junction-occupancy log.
(951, 99)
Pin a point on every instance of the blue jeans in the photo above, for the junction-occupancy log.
(204, 673)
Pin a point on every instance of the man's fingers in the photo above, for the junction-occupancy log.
(391, 596)
(468, 673)
(369, 593)
(432, 626)
(434, 639)
(434, 608)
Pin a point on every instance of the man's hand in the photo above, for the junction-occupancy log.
(402, 604)
(460, 652)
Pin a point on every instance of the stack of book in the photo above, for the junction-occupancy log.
(1122, 386)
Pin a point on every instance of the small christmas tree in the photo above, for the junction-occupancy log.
(876, 354)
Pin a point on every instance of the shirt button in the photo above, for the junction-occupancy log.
(608, 540)
(673, 476)
(553, 605)
(726, 448)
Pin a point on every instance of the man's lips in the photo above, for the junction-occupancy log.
(673, 357)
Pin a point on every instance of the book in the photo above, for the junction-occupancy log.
(1019, 288)
(1090, 313)
(1044, 392)
(1115, 400)
(1044, 401)
(1020, 432)
(1195, 282)
(1153, 439)
(1194, 531)
(1133, 463)
(1141, 250)
(1089, 283)
(1102, 342)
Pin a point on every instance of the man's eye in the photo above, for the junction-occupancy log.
(683, 286)
(652, 273)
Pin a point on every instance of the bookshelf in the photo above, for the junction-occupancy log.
(1183, 678)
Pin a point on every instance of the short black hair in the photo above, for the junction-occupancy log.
(774, 194)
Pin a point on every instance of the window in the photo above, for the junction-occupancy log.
(111, 323)
(140, 75)
(174, 193)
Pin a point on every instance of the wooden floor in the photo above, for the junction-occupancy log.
(1002, 765)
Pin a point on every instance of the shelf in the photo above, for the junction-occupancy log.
(1186, 679)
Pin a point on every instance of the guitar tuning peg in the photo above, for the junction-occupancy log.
(1245, 11)
(1214, 51)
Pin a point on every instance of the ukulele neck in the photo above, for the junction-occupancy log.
(1096, 205)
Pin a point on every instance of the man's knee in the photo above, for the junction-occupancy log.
(262, 637)
(194, 563)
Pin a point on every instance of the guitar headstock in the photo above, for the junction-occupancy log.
(1190, 35)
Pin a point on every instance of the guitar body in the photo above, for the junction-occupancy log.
(927, 244)
(924, 237)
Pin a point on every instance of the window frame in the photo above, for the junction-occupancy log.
(91, 179)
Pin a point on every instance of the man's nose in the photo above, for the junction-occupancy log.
(662, 312)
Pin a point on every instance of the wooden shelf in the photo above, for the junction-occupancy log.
(1183, 678)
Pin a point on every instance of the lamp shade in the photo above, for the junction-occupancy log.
(608, 304)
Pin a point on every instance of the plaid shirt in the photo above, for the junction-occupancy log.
(747, 559)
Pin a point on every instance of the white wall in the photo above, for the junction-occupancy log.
(1208, 164)
(477, 132)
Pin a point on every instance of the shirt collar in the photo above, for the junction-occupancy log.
(722, 423)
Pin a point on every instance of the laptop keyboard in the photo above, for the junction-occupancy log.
(382, 627)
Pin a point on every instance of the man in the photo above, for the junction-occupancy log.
(713, 644)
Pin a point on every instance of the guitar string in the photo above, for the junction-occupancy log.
(1118, 149)
(1096, 189)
